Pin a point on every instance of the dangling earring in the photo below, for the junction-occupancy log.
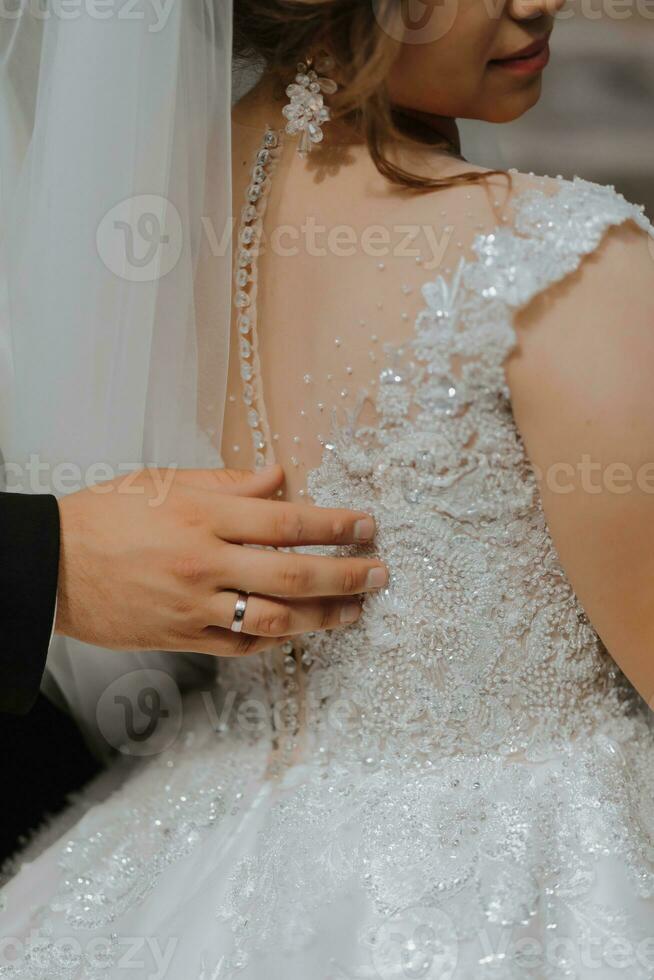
(306, 112)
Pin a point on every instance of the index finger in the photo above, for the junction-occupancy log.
(266, 522)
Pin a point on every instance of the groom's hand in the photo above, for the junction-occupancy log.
(155, 562)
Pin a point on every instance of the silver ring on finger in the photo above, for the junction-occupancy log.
(239, 612)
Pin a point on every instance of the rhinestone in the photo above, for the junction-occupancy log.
(390, 376)
(328, 85)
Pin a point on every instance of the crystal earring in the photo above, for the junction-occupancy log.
(306, 112)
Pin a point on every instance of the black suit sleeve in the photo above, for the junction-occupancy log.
(29, 567)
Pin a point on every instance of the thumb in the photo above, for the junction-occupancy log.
(236, 483)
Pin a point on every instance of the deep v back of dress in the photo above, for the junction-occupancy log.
(459, 786)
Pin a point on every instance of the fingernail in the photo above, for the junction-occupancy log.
(377, 577)
(364, 529)
(350, 612)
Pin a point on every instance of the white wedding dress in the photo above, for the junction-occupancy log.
(462, 784)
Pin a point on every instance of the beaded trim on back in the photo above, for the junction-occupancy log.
(250, 233)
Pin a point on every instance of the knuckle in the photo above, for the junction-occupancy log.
(190, 568)
(274, 622)
(182, 608)
(290, 527)
(351, 579)
(295, 578)
(327, 616)
(189, 511)
(339, 530)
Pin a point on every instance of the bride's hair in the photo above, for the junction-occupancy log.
(280, 33)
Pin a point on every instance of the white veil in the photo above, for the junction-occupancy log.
(106, 117)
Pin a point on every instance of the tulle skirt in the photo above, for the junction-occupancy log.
(202, 866)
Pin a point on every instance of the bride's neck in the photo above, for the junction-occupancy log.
(263, 105)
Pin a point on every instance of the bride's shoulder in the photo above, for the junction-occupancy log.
(589, 276)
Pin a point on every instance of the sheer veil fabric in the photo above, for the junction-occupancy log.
(105, 122)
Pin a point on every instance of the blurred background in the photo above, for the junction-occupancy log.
(596, 116)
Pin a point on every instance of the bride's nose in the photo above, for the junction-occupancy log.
(535, 9)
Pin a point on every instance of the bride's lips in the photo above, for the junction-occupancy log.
(529, 60)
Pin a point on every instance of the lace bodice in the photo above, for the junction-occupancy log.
(479, 642)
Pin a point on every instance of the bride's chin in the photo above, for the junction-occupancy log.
(511, 107)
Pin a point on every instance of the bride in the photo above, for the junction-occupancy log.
(459, 785)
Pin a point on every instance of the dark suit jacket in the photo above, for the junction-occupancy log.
(29, 566)
(42, 755)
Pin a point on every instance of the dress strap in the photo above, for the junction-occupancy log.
(552, 233)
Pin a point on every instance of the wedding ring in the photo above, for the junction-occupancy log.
(239, 612)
